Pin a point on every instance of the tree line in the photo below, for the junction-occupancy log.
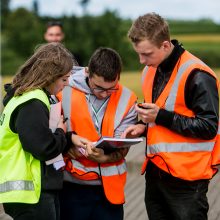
(23, 29)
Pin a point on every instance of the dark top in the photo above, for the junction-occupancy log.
(201, 96)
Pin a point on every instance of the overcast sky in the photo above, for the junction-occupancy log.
(178, 9)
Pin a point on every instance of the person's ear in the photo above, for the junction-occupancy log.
(166, 45)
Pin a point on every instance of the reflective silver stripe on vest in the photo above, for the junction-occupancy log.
(122, 105)
(179, 147)
(114, 170)
(144, 74)
(66, 104)
(170, 102)
(16, 185)
(105, 171)
(218, 129)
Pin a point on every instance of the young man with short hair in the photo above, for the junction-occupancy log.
(180, 121)
(54, 32)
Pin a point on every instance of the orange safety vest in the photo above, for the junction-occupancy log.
(216, 150)
(75, 107)
(183, 157)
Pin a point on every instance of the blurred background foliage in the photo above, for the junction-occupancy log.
(22, 30)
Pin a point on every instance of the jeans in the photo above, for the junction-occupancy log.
(87, 202)
(170, 198)
(46, 209)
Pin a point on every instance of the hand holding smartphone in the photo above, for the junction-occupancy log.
(140, 105)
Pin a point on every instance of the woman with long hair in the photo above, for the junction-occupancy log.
(28, 185)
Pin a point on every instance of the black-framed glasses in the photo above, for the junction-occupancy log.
(101, 90)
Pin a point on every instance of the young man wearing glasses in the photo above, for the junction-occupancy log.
(96, 105)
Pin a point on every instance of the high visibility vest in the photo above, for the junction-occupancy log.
(183, 157)
(75, 107)
(216, 150)
(20, 173)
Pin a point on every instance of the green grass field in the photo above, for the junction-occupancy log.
(197, 37)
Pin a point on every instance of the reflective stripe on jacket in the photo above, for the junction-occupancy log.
(75, 107)
(20, 174)
(183, 157)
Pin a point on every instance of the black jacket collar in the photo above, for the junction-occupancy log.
(168, 64)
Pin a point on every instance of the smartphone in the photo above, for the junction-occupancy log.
(140, 105)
